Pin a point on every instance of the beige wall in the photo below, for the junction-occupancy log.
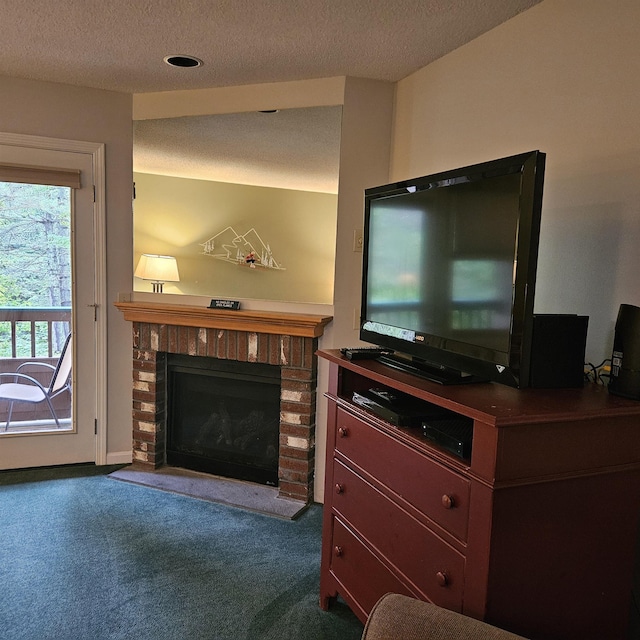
(563, 77)
(174, 216)
(74, 113)
(364, 162)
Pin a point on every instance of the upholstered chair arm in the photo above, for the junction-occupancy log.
(402, 618)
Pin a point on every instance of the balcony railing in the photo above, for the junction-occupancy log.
(33, 332)
(26, 334)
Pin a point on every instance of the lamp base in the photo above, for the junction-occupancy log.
(157, 287)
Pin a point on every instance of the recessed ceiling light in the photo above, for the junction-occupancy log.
(269, 110)
(183, 61)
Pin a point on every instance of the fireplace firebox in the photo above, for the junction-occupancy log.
(224, 417)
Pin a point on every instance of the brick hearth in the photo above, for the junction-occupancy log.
(286, 340)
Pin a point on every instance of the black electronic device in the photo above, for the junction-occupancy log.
(453, 434)
(449, 269)
(625, 358)
(398, 408)
(363, 353)
(558, 344)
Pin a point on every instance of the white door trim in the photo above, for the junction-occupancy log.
(97, 152)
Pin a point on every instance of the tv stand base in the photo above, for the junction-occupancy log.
(433, 374)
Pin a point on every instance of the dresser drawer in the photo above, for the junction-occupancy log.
(440, 493)
(435, 568)
(359, 572)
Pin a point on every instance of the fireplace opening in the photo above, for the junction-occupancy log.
(223, 417)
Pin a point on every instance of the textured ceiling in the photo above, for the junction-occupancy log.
(120, 45)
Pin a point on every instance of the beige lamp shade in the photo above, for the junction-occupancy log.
(158, 269)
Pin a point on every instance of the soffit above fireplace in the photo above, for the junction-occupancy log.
(292, 324)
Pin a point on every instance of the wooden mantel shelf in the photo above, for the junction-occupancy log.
(292, 324)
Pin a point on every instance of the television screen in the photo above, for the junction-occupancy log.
(449, 266)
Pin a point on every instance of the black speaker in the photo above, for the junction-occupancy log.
(625, 359)
(558, 343)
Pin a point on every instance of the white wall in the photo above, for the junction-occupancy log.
(563, 77)
(74, 113)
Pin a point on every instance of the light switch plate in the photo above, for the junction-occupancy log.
(357, 239)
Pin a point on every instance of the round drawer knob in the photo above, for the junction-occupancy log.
(343, 432)
(442, 579)
(337, 550)
(448, 502)
(339, 488)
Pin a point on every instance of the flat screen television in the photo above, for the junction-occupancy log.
(449, 270)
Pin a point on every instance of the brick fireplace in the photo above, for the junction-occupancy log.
(283, 339)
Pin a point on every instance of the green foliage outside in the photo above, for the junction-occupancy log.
(35, 260)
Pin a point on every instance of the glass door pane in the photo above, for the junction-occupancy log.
(35, 300)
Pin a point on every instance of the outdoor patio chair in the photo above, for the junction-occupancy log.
(25, 388)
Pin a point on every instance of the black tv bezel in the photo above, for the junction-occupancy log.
(510, 367)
